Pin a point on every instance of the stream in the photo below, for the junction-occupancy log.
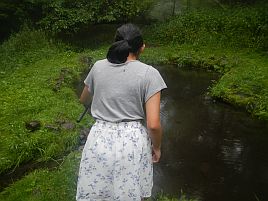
(211, 151)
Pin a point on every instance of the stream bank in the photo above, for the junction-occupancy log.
(31, 66)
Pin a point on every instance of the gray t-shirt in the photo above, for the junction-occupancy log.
(121, 90)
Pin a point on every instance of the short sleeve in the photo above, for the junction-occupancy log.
(153, 83)
(89, 81)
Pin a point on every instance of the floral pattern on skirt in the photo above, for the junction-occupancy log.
(116, 163)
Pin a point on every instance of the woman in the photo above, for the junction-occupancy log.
(117, 158)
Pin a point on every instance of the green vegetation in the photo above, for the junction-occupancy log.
(31, 71)
(241, 27)
(67, 16)
(37, 77)
(59, 184)
(46, 185)
(233, 42)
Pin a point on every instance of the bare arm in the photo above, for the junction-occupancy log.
(85, 97)
(154, 125)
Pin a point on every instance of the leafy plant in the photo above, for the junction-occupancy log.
(239, 27)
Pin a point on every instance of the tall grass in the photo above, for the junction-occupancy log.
(239, 27)
(24, 48)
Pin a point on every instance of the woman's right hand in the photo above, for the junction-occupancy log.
(156, 154)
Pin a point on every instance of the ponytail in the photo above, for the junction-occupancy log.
(118, 52)
(128, 40)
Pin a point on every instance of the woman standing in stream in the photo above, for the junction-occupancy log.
(117, 159)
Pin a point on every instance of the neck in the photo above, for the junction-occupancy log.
(131, 57)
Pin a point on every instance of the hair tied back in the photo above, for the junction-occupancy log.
(128, 39)
(118, 52)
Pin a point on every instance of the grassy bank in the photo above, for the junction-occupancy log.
(58, 185)
(244, 73)
(37, 84)
(37, 78)
(233, 42)
(31, 70)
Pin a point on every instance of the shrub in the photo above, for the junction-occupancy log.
(236, 27)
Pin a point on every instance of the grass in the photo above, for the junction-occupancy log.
(244, 80)
(27, 94)
(31, 67)
(232, 42)
(168, 198)
(58, 185)
(242, 27)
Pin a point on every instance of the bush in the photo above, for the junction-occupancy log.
(67, 16)
(237, 27)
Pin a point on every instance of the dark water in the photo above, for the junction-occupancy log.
(211, 151)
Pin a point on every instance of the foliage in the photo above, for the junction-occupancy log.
(30, 64)
(15, 13)
(62, 15)
(244, 73)
(240, 27)
(24, 48)
(68, 16)
(246, 85)
(233, 42)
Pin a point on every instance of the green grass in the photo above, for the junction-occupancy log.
(244, 81)
(27, 94)
(168, 198)
(242, 27)
(232, 42)
(58, 184)
(31, 65)
(246, 85)
(44, 185)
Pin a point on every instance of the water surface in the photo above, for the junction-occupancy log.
(211, 150)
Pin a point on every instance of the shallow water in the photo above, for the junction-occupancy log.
(211, 151)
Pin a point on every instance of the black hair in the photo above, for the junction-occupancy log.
(128, 39)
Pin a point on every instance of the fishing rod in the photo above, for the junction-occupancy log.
(83, 114)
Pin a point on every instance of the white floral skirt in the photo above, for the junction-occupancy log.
(116, 163)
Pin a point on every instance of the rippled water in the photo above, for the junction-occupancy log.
(211, 151)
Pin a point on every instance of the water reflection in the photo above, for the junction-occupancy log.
(210, 150)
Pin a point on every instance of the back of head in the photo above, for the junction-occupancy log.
(128, 39)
